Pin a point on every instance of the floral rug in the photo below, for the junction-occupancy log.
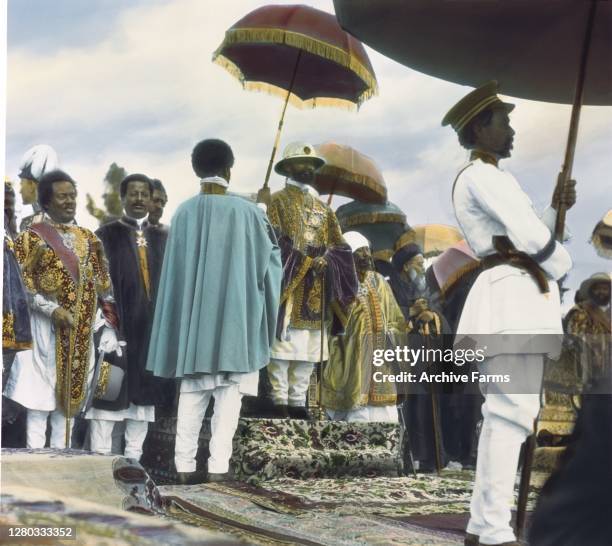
(219, 507)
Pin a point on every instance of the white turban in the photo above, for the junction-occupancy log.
(38, 160)
(355, 240)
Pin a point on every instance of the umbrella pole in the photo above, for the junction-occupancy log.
(566, 171)
(282, 120)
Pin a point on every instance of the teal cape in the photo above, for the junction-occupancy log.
(219, 290)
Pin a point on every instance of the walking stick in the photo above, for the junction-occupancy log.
(406, 437)
(436, 429)
(530, 446)
(435, 417)
(323, 340)
(68, 386)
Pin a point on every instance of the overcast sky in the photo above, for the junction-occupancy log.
(133, 82)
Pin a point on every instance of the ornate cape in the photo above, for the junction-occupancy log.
(307, 228)
(374, 321)
(45, 273)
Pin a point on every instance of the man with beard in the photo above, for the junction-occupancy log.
(66, 277)
(514, 294)
(374, 322)
(135, 253)
(157, 205)
(425, 326)
(37, 161)
(313, 251)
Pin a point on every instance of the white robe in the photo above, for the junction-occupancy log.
(504, 299)
(33, 374)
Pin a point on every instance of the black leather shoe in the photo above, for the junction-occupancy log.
(470, 540)
(299, 412)
(190, 478)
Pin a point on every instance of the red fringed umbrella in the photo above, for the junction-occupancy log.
(298, 52)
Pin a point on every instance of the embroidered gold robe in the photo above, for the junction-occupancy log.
(45, 276)
(307, 228)
(374, 321)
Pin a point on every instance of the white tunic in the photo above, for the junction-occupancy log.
(504, 299)
(33, 374)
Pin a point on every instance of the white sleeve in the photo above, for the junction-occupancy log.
(507, 203)
(39, 303)
(549, 217)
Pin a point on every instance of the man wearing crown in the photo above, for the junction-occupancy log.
(315, 258)
(520, 261)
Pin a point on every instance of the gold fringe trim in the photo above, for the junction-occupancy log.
(305, 43)
(449, 284)
(360, 179)
(373, 218)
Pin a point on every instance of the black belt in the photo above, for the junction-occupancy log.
(508, 255)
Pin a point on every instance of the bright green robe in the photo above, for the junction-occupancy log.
(219, 290)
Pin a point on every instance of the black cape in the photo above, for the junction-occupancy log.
(135, 310)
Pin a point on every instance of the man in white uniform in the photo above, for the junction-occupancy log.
(505, 299)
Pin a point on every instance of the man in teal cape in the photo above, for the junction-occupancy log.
(215, 316)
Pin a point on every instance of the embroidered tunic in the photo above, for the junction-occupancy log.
(375, 322)
(307, 228)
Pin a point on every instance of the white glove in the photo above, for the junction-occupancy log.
(109, 342)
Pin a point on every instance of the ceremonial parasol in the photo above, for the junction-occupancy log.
(553, 50)
(432, 238)
(602, 236)
(381, 224)
(349, 173)
(300, 53)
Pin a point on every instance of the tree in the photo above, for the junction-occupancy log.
(112, 200)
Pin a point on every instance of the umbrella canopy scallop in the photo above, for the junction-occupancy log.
(349, 173)
(263, 50)
(432, 238)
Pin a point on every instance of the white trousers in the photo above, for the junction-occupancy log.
(365, 414)
(289, 380)
(37, 429)
(101, 436)
(507, 421)
(190, 416)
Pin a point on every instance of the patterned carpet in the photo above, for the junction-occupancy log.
(355, 511)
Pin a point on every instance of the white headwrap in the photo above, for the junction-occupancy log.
(355, 240)
(38, 160)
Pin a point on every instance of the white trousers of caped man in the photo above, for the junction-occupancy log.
(36, 429)
(508, 419)
(190, 416)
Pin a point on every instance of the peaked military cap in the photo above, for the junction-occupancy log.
(472, 104)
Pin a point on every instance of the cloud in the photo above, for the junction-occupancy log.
(145, 91)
